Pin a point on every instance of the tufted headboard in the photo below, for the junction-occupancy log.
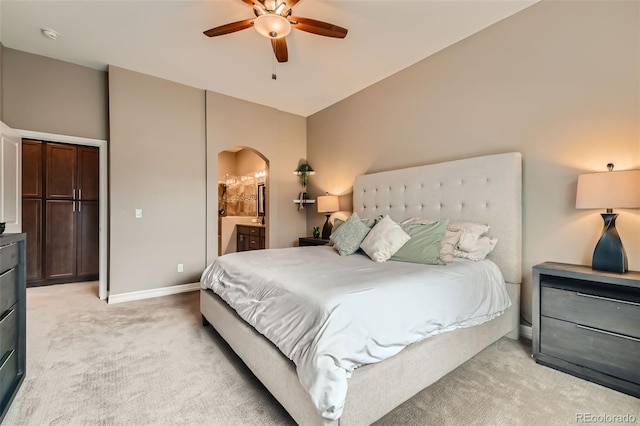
(482, 189)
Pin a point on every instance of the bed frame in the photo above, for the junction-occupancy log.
(482, 189)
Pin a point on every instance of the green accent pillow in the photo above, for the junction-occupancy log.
(424, 245)
(349, 235)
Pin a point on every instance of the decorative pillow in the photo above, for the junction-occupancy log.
(448, 242)
(385, 238)
(424, 245)
(369, 222)
(473, 247)
(349, 235)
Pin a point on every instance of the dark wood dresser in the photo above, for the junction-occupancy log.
(12, 317)
(587, 323)
(250, 237)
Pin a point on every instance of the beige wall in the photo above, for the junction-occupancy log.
(46, 95)
(1, 92)
(157, 164)
(227, 165)
(248, 162)
(280, 138)
(558, 82)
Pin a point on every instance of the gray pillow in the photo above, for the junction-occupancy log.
(424, 245)
(369, 222)
(349, 235)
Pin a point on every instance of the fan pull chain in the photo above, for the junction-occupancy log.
(273, 73)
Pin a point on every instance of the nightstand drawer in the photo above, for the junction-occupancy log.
(8, 373)
(603, 351)
(8, 290)
(605, 313)
(8, 257)
(8, 330)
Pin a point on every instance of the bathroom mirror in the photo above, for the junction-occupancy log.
(261, 199)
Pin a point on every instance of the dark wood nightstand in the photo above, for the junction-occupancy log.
(587, 323)
(310, 241)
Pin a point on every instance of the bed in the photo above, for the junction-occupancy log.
(482, 189)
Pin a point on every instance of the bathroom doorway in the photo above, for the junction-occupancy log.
(242, 200)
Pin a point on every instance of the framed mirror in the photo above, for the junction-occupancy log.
(261, 199)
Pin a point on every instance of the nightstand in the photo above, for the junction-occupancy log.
(310, 241)
(587, 323)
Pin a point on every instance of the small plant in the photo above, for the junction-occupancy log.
(316, 231)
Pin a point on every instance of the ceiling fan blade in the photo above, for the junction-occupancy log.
(229, 28)
(280, 49)
(317, 27)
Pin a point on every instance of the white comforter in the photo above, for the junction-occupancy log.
(330, 313)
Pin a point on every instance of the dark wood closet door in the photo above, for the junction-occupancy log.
(60, 239)
(88, 173)
(61, 171)
(32, 169)
(32, 226)
(88, 238)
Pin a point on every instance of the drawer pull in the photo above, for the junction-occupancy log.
(6, 315)
(608, 299)
(622, 336)
(8, 355)
(6, 272)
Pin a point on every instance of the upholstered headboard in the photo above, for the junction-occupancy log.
(482, 189)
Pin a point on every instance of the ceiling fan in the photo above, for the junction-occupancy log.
(274, 21)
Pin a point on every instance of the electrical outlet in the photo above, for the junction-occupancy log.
(180, 267)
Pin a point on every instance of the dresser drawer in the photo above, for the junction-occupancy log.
(8, 330)
(605, 313)
(255, 242)
(8, 373)
(8, 257)
(615, 355)
(8, 289)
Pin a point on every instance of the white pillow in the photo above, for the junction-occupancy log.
(473, 247)
(384, 240)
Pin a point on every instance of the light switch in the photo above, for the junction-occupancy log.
(138, 213)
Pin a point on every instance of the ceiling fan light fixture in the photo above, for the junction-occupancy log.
(272, 26)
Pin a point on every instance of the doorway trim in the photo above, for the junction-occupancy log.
(103, 212)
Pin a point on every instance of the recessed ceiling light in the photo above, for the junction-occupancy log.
(49, 33)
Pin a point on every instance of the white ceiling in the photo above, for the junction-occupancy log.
(164, 39)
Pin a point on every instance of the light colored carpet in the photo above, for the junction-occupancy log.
(151, 362)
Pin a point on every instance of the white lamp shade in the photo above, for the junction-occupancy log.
(608, 190)
(272, 26)
(328, 204)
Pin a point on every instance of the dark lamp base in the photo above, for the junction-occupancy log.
(609, 254)
(326, 229)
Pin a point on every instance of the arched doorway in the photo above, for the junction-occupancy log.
(242, 199)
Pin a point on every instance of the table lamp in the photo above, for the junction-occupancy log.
(609, 190)
(327, 204)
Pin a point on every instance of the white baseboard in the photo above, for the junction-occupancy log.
(525, 331)
(154, 292)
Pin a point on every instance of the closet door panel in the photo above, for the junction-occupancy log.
(60, 240)
(88, 238)
(32, 226)
(88, 173)
(61, 171)
(32, 177)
